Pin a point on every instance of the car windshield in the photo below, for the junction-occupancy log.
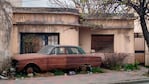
(45, 49)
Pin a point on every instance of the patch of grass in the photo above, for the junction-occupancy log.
(83, 72)
(116, 67)
(93, 70)
(131, 66)
(20, 75)
(58, 72)
(147, 66)
(97, 70)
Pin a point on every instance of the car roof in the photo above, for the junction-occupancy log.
(61, 46)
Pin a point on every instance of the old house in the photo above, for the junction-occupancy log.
(36, 27)
(39, 26)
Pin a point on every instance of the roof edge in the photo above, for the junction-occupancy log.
(44, 10)
(108, 16)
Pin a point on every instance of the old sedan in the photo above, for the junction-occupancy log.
(55, 57)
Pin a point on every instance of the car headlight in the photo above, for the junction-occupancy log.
(14, 63)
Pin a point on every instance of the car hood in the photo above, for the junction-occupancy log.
(28, 56)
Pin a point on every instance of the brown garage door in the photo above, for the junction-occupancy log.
(102, 43)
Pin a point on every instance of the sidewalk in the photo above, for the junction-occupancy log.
(103, 78)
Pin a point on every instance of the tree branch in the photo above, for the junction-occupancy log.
(147, 5)
(143, 3)
(134, 6)
(147, 8)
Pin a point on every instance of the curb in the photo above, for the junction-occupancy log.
(135, 81)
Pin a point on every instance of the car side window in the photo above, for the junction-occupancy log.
(74, 51)
(59, 50)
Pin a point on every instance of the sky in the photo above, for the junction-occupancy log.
(35, 3)
(42, 3)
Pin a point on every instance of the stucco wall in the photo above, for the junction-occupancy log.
(146, 55)
(85, 39)
(139, 44)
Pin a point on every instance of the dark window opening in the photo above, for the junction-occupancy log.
(139, 51)
(138, 35)
(33, 42)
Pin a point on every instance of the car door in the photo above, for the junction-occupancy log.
(74, 58)
(57, 59)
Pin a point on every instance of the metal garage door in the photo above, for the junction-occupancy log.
(102, 43)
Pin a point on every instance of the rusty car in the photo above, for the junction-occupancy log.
(54, 57)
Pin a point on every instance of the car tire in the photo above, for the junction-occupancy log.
(86, 67)
(31, 69)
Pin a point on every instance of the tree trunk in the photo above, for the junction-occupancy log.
(144, 29)
(5, 31)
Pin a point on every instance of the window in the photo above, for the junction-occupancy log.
(75, 51)
(33, 42)
(138, 35)
(59, 50)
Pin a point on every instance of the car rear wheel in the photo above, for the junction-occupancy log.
(86, 67)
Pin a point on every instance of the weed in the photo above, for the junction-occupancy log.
(131, 66)
(113, 61)
(58, 72)
(20, 75)
(97, 70)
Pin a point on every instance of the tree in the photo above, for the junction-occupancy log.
(141, 7)
(90, 6)
(5, 31)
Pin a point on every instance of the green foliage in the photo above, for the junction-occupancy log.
(58, 72)
(97, 70)
(83, 1)
(147, 66)
(93, 70)
(20, 75)
(131, 66)
(116, 67)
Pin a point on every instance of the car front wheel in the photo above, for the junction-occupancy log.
(31, 69)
